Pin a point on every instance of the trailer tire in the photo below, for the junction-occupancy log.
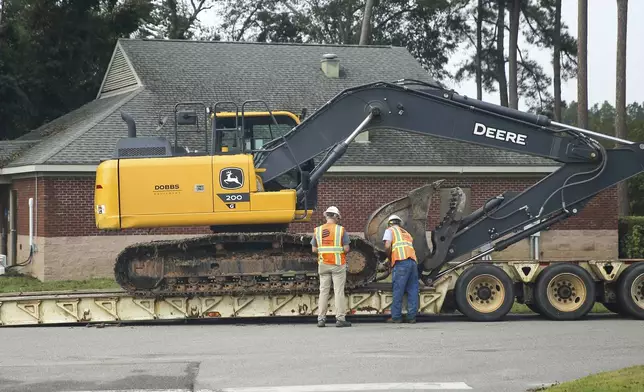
(564, 291)
(630, 291)
(484, 293)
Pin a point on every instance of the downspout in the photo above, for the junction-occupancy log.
(33, 247)
(31, 225)
(13, 238)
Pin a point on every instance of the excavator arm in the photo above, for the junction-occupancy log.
(586, 167)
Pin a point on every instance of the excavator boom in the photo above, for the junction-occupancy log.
(586, 167)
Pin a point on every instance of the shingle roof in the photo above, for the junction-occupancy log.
(11, 149)
(287, 76)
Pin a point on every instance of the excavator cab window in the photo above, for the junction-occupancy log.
(258, 129)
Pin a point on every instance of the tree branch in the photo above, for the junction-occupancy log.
(395, 15)
(534, 75)
(247, 22)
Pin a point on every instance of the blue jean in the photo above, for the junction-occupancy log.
(405, 280)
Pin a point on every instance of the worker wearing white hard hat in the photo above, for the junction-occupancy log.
(331, 242)
(404, 279)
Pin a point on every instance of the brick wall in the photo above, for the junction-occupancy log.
(65, 205)
(358, 197)
(25, 189)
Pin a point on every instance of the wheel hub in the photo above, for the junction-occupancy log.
(566, 292)
(485, 293)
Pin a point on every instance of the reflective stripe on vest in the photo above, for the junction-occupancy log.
(402, 246)
(330, 253)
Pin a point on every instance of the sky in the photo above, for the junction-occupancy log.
(602, 49)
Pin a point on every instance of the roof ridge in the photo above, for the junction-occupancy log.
(91, 125)
(263, 43)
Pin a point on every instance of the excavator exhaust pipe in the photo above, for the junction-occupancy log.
(131, 124)
(413, 209)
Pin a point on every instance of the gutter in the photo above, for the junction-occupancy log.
(334, 169)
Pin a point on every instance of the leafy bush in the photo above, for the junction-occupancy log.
(631, 237)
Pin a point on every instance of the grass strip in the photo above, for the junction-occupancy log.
(623, 380)
(21, 283)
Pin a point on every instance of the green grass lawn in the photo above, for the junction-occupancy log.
(521, 308)
(627, 379)
(20, 283)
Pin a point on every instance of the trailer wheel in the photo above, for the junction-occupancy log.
(564, 291)
(484, 293)
(630, 291)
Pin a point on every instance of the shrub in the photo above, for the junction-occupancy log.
(631, 237)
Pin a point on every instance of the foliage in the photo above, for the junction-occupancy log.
(53, 55)
(430, 29)
(631, 237)
(174, 19)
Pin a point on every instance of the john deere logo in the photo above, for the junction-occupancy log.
(231, 178)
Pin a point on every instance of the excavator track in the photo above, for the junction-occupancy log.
(265, 262)
(235, 263)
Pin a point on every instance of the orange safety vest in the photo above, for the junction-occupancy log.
(329, 244)
(402, 245)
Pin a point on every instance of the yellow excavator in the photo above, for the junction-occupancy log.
(258, 173)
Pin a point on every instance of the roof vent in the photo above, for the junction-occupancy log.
(330, 65)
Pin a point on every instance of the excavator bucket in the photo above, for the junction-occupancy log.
(413, 209)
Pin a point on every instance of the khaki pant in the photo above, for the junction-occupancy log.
(337, 273)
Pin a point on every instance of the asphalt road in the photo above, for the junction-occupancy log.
(514, 355)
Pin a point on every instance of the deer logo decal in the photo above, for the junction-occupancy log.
(231, 178)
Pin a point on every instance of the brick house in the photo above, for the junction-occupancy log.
(54, 165)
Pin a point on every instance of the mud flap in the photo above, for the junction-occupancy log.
(414, 211)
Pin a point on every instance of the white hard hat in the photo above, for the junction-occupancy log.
(394, 217)
(332, 210)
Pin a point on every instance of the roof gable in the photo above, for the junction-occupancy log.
(120, 76)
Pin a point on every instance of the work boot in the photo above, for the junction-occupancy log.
(395, 321)
(321, 323)
(342, 323)
(411, 321)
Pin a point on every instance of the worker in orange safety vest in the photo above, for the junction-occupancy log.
(399, 244)
(331, 243)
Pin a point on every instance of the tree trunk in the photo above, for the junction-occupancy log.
(479, 51)
(500, 55)
(556, 60)
(515, 9)
(620, 92)
(582, 69)
(366, 23)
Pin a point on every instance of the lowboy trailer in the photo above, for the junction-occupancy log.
(482, 291)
